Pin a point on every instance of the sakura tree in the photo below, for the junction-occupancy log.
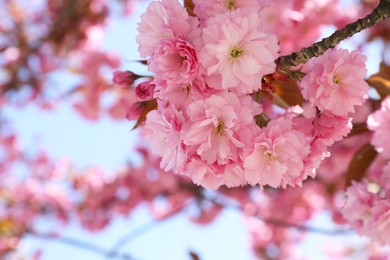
(242, 105)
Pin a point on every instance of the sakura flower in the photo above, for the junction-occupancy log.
(206, 9)
(216, 126)
(131, 104)
(236, 53)
(379, 122)
(183, 94)
(330, 129)
(368, 212)
(212, 176)
(165, 128)
(163, 20)
(175, 61)
(298, 24)
(278, 156)
(124, 78)
(145, 90)
(335, 81)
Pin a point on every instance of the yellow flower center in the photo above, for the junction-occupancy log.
(236, 52)
(230, 4)
(220, 128)
(269, 155)
(337, 80)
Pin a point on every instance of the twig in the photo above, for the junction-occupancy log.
(381, 12)
(80, 244)
(286, 224)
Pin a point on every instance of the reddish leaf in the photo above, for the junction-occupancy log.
(381, 80)
(358, 129)
(143, 62)
(148, 106)
(360, 163)
(189, 5)
(194, 256)
(288, 90)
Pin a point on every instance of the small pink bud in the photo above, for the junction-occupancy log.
(134, 111)
(145, 90)
(124, 78)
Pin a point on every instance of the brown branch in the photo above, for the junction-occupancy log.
(381, 12)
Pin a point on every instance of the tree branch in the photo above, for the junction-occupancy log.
(286, 224)
(381, 12)
(80, 244)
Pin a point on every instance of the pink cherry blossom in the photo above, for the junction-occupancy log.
(236, 52)
(124, 78)
(330, 129)
(135, 105)
(145, 90)
(278, 156)
(335, 81)
(212, 176)
(298, 24)
(367, 211)
(206, 9)
(166, 128)
(175, 61)
(216, 126)
(318, 150)
(182, 95)
(163, 20)
(379, 122)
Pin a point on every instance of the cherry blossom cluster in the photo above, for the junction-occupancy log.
(54, 39)
(367, 206)
(59, 192)
(212, 123)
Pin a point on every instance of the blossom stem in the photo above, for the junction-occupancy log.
(380, 13)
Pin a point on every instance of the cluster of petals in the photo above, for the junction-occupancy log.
(206, 125)
(379, 122)
(175, 61)
(278, 156)
(163, 20)
(165, 128)
(367, 209)
(211, 137)
(203, 70)
(335, 81)
(298, 24)
(330, 128)
(206, 9)
(235, 51)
